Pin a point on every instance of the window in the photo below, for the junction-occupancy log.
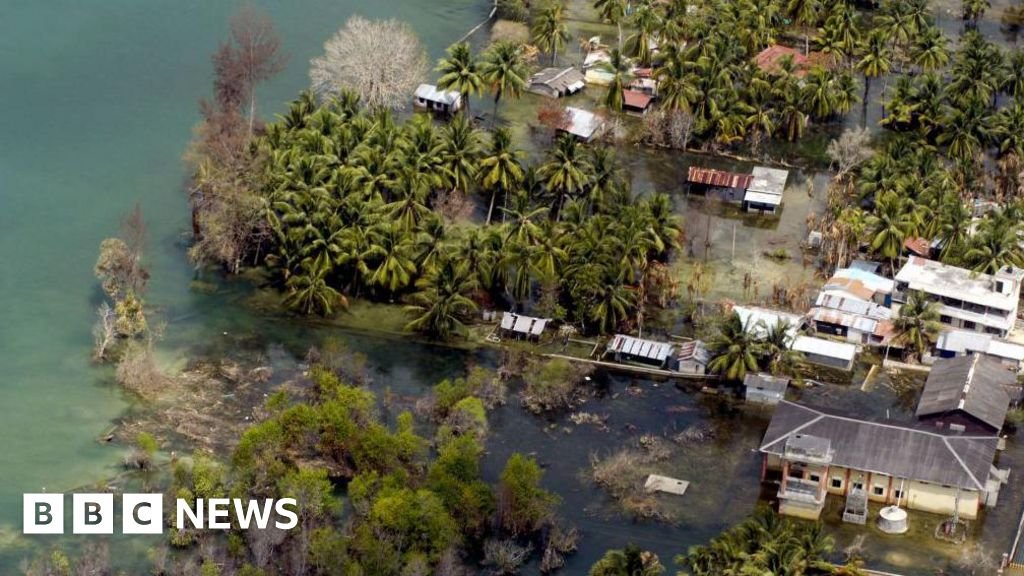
(879, 490)
(837, 482)
(858, 485)
(968, 324)
(945, 319)
(898, 494)
(815, 478)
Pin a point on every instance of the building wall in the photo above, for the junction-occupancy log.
(917, 495)
(828, 361)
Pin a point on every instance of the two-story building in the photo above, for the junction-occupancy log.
(967, 300)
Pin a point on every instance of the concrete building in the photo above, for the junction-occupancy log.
(428, 97)
(764, 194)
(813, 454)
(981, 302)
(967, 394)
(556, 82)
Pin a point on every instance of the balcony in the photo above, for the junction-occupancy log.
(799, 490)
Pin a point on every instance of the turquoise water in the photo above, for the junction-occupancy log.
(98, 102)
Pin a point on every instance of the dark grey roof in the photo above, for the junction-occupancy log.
(766, 382)
(898, 451)
(974, 384)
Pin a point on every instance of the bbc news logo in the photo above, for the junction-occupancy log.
(143, 513)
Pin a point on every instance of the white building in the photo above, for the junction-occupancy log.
(980, 302)
(430, 98)
(826, 352)
(858, 321)
(953, 343)
(764, 194)
(583, 124)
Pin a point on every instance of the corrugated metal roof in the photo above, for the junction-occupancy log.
(719, 178)
(636, 99)
(822, 347)
(973, 384)
(762, 198)
(898, 451)
(523, 324)
(430, 93)
(640, 348)
(768, 181)
(766, 382)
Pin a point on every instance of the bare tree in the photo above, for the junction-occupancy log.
(255, 54)
(104, 333)
(850, 150)
(381, 60)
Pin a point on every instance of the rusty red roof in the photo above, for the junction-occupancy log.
(771, 57)
(919, 246)
(719, 178)
(636, 99)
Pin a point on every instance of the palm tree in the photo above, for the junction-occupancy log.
(504, 70)
(619, 68)
(917, 324)
(781, 359)
(614, 12)
(804, 14)
(735, 349)
(394, 250)
(875, 61)
(501, 168)
(630, 561)
(549, 30)
(889, 226)
(929, 51)
(677, 87)
(567, 170)
(441, 304)
(309, 291)
(460, 153)
(460, 71)
(645, 22)
(973, 10)
(995, 245)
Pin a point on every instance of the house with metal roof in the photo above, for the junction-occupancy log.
(582, 124)
(826, 352)
(953, 343)
(858, 321)
(623, 347)
(967, 394)
(968, 300)
(692, 357)
(813, 454)
(518, 325)
(863, 283)
(556, 82)
(764, 194)
(428, 97)
(764, 389)
(636, 102)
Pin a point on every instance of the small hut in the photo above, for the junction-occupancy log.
(765, 388)
(654, 353)
(764, 193)
(428, 97)
(519, 326)
(636, 102)
(556, 82)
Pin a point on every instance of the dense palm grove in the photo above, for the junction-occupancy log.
(350, 207)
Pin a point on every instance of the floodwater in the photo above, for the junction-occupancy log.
(99, 102)
(99, 99)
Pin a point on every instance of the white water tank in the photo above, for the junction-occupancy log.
(892, 520)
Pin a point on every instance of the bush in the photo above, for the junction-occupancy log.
(552, 384)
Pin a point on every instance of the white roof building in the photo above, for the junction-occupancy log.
(765, 190)
(428, 96)
(982, 302)
(959, 342)
(826, 352)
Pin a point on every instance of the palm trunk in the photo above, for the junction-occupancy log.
(494, 118)
(864, 102)
(252, 109)
(494, 194)
(618, 23)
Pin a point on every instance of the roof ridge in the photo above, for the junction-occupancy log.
(819, 416)
(872, 423)
(945, 440)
